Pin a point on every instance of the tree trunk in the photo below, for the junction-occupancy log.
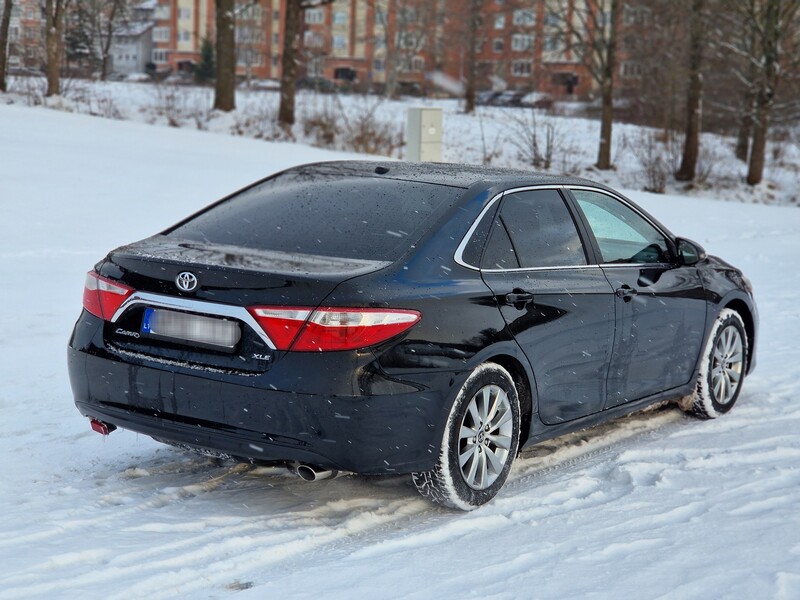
(106, 40)
(765, 96)
(743, 135)
(607, 87)
(471, 62)
(54, 47)
(694, 96)
(225, 86)
(289, 63)
(606, 123)
(755, 170)
(4, 25)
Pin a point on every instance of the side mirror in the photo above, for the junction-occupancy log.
(689, 252)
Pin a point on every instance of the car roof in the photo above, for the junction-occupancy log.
(450, 174)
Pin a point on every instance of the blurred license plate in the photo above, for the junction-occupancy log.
(190, 329)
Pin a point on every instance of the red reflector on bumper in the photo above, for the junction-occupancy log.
(100, 427)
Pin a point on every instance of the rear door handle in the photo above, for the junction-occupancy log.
(626, 292)
(519, 298)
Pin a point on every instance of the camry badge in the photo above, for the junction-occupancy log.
(186, 281)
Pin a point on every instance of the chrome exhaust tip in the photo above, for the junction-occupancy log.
(308, 472)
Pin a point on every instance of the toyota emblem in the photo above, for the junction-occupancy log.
(186, 281)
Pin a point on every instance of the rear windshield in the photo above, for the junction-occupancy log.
(353, 217)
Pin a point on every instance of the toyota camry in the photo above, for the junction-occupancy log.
(406, 318)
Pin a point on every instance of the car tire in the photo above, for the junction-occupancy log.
(471, 469)
(722, 367)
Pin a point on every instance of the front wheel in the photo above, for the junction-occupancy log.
(722, 369)
(479, 444)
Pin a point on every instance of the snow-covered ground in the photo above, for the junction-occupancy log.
(655, 505)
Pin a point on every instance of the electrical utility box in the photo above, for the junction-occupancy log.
(424, 135)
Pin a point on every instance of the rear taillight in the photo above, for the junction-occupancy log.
(331, 329)
(102, 297)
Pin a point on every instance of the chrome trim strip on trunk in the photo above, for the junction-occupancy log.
(196, 306)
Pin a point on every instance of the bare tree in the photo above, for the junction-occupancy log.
(403, 37)
(473, 22)
(225, 82)
(694, 93)
(765, 26)
(589, 28)
(291, 31)
(54, 11)
(4, 25)
(93, 27)
(114, 11)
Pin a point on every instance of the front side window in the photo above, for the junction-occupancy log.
(623, 235)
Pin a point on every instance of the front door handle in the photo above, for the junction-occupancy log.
(626, 292)
(518, 298)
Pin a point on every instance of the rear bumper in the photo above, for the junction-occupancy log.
(392, 433)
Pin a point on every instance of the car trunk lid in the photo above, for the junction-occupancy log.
(190, 299)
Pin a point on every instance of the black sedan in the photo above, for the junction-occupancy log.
(406, 318)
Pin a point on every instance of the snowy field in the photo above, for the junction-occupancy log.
(655, 505)
(499, 136)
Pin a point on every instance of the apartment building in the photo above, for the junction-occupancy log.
(367, 44)
(26, 35)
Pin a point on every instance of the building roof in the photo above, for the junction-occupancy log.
(133, 28)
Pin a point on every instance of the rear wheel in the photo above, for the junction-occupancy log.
(479, 444)
(722, 368)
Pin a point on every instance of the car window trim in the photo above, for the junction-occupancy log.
(458, 256)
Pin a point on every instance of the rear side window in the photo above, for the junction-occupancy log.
(348, 217)
(538, 231)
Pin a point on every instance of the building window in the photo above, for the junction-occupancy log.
(418, 64)
(631, 69)
(315, 16)
(275, 61)
(311, 39)
(276, 38)
(161, 34)
(339, 42)
(639, 15)
(500, 22)
(162, 12)
(184, 35)
(524, 17)
(314, 68)
(497, 45)
(276, 15)
(184, 14)
(551, 43)
(410, 40)
(521, 42)
(340, 18)
(159, 56)
(551, 19)
(521, 68)
(378, 64)
(408, 14)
